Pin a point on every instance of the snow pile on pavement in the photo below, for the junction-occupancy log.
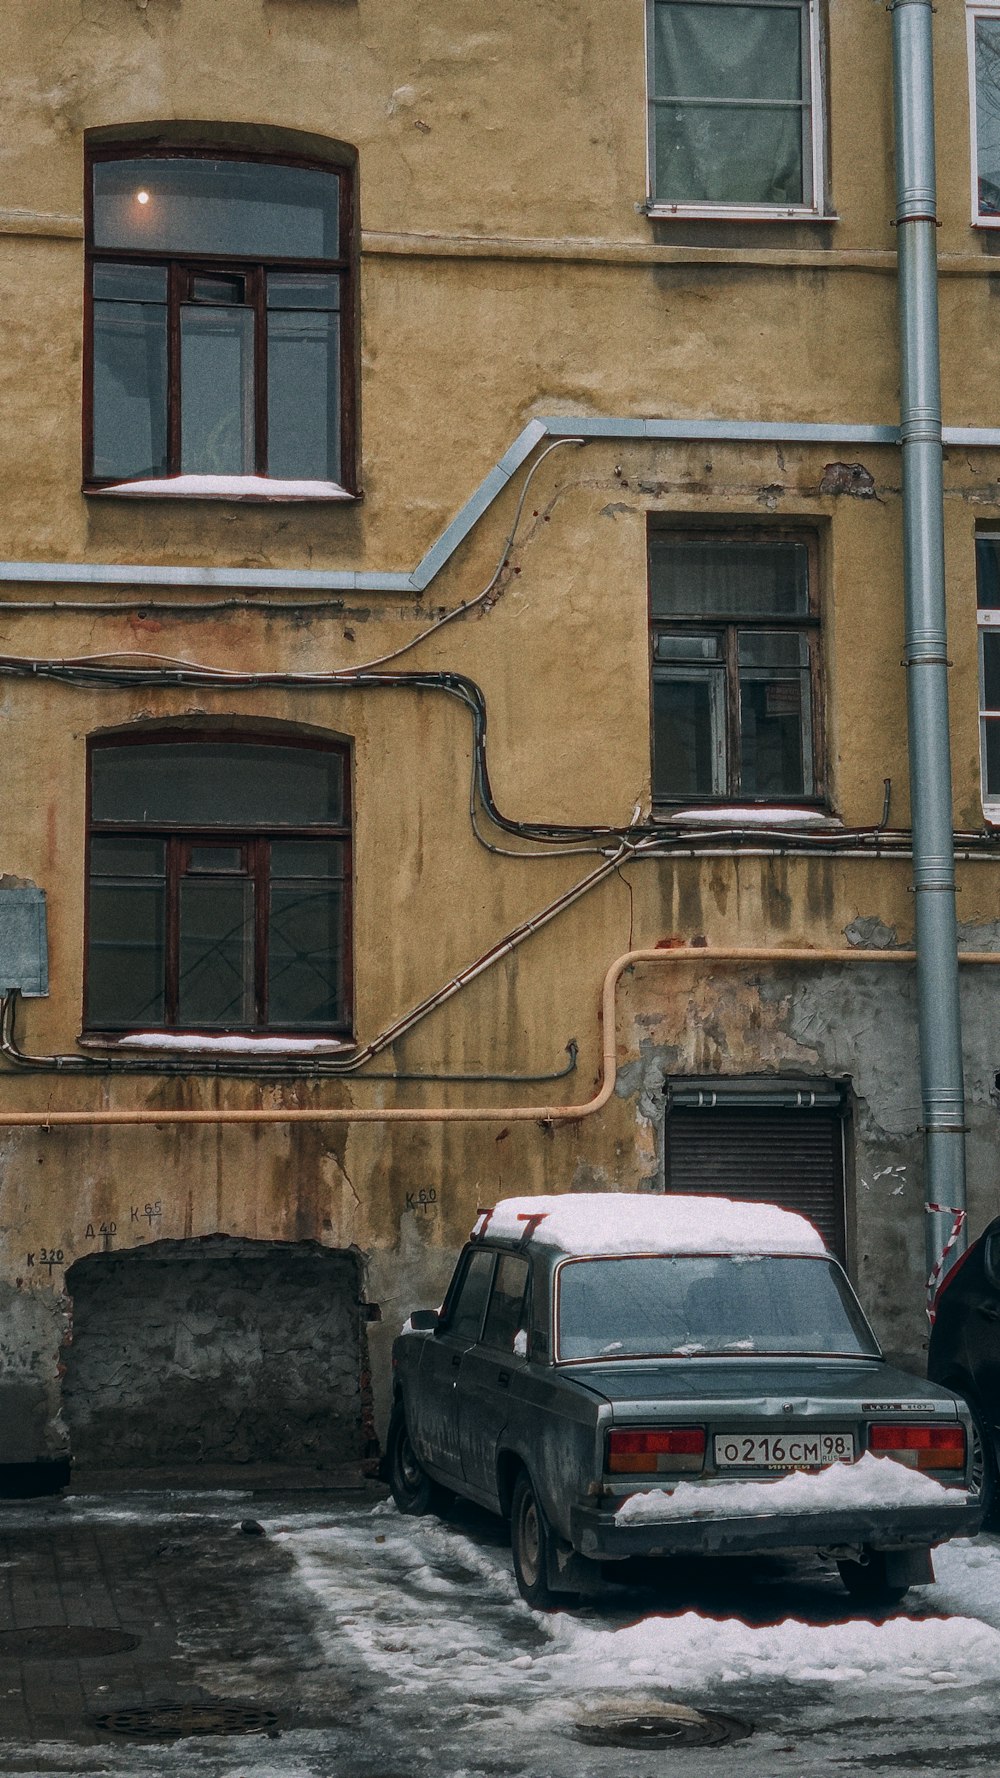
(871, 1483)
(636, 1222)
(691, 1651)
(432, 1611)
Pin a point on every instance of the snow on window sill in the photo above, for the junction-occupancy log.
(226, 1044)
(226, 487)
(734, 815)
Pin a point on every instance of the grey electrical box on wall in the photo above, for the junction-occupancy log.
(24, 947)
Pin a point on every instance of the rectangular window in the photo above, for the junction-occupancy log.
(221, 292)
(735, 122)
(988, 583)
(735, 669)
(984, 70)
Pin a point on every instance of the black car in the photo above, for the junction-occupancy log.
(964, 1352)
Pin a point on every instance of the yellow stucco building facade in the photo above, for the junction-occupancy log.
(452, 541)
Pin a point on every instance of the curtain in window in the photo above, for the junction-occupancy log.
(729, 105)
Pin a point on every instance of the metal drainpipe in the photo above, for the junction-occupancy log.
(939, 1012)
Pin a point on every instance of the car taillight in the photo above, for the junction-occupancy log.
(920, 1447)
(646, 1452)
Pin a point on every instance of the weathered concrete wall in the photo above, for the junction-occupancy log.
(215, 1351)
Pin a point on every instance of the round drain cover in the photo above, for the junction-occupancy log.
(64, 1642)
(171, 1721)
(661, 1725)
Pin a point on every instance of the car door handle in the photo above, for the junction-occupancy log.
(503, 1378)
(456, 1360)
(989, 1314)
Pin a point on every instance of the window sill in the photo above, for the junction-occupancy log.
(259, 488)
(737, 816)
(658, 212)
(226, 1044)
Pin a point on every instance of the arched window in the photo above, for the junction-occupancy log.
(220, 304)
(219, 879)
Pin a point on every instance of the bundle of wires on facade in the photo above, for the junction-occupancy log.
(122, 670)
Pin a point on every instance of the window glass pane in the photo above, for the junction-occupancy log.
(988, 573)
(125, 973)
(677, 646)
(728, 155)
(250, 208)
(689, 578)
(216, 858)
(773, 648)
(215, 978)
(308, 858)
(988, 114)
(991, 747)
(303, 394)
(305, 954)
(504, 1315)
(131, 283)
(990, 640)
(302, 290)
(217, 289)
(125, 857)
(217, 433)
(775, 720)
(715, 150)
(130, 389)
(467, 1314)
(217, 783)
(689, 732)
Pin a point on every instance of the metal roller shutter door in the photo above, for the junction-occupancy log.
(789, 1157)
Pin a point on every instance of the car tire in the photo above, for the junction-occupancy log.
(530, 1546)
(867, 1582)
(985, 1480)
(412, 1489)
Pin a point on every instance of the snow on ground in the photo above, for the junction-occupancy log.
(871, 1482)
(429, 1609)
(635, 1222)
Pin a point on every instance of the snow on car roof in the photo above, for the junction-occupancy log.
(638, 1222)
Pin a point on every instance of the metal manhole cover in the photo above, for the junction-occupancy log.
(171, 1721)
(662, 1725)
(64, 1642)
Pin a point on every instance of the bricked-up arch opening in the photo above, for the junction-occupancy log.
(217, 1351)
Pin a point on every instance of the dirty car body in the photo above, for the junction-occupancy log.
(594, 1349)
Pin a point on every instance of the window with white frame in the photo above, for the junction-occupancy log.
(984, 67)
(988, 584)
(735, 121)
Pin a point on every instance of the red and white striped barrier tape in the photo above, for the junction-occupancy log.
(939, 1265)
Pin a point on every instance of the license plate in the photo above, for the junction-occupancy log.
(783, 1450)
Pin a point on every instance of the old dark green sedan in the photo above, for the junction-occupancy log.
(627, 1375)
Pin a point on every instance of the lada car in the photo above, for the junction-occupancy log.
(627, 1375)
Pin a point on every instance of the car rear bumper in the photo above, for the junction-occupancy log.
(595, 1533)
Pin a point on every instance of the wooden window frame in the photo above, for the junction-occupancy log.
(255, 842)
(807, 624)
(181, 266)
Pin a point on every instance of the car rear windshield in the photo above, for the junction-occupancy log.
(691, 1306)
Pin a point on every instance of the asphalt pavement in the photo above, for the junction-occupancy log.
(151, 1633)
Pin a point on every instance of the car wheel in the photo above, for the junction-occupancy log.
(409, 1484)
(868, 1583)
(530, 1543)
(984, 1479)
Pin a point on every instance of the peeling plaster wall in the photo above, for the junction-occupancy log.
(216, 1351)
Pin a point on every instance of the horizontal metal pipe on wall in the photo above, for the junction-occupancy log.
(449, 1114)
(321, 580)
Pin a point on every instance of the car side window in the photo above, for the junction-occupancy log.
(505, 1315)
(465, 1317)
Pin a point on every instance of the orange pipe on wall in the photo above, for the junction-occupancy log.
(447, 1114)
